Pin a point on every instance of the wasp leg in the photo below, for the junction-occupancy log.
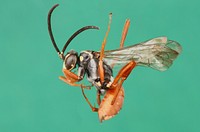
(71, 79)
(124, 32)
(98, 98)
(100, 69)
(117, 90)
(124, 72)
(72, 83)
(68, 81)
(71, 75)
(121, 77)
(94, 109)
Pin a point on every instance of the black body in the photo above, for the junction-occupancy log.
(88, 64)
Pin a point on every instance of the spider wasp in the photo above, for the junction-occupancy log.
(157, 53)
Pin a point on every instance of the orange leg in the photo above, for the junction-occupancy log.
(73, 83)
(98, 98)
(94, 109)
(70, 75)
(124, 32)
(71, 79)
(101, 70)
(124, 72)
(121, 77)
(118, 88)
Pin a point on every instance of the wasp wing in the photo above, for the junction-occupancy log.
(158, 53)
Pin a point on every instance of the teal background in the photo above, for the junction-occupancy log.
(33, 99)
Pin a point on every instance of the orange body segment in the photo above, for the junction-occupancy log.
(108, 110)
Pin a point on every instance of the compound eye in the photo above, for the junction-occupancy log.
(70, 61)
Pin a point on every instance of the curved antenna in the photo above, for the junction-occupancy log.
(75, 34)
(50, 30)
(61, 54)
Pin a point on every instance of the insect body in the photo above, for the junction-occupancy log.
(88, 63)
(158, 53)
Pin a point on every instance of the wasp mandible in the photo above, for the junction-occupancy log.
(158, 53)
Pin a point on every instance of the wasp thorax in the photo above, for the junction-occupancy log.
(70, 60)
(85, 57)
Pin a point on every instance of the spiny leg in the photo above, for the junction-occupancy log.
(121, 77)
(101, 70)
(94, 109)
(124, 32)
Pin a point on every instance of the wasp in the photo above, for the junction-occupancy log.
(157, 53)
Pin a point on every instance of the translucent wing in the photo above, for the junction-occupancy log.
(158, 53)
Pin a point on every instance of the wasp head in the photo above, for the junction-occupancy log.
(70, 60)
